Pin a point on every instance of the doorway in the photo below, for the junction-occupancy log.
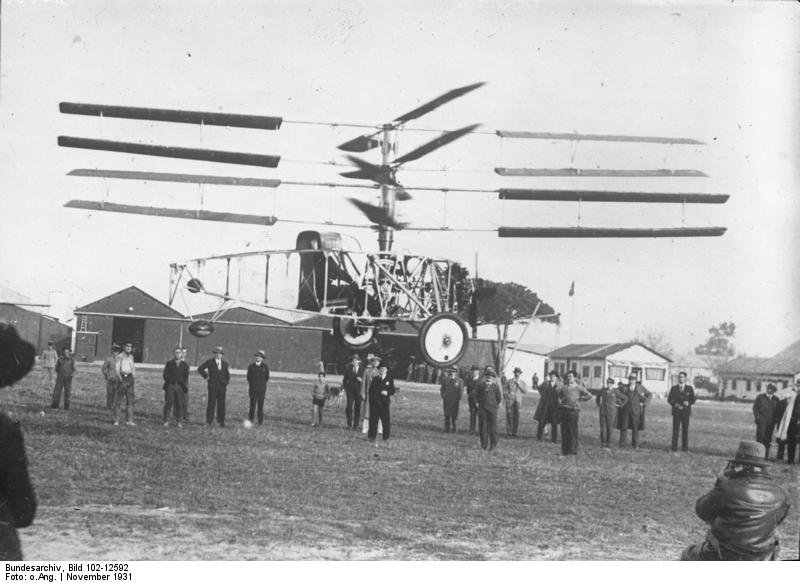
(129, 330)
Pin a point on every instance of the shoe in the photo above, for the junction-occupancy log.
(179, 425)
(166, 423)
(131, 423)
(116, 422)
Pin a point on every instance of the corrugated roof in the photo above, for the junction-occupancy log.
(130, 301)
(747, 365)
(787, 361)
(597, 350)
(242, 314)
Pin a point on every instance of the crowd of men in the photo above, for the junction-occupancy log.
(743, 510)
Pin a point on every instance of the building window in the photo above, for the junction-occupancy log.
(585, 371)
(598, 372)
(655, 374)
(618, 372)
(561, 368)
(749, 386)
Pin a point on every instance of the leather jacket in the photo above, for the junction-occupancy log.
(744, 511)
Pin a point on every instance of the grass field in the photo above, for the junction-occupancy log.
(287, 491)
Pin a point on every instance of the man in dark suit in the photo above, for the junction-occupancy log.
(381, 390)
(547, 409)
(489, 397)
(257, 378)
(215, 370)
(351, 383)
(681, 398)
(632, 402)
(176, 385)
(764, 413)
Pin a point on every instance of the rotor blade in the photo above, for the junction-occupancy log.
(169, 177)
(172, 152)
(597, 172)
(596, 137)
(379, 174)
(376, 214)
(599, 232)
(434, 103)
(259, 122)
(200, 215)
(360, 144)
(435, 144)
(611, 196)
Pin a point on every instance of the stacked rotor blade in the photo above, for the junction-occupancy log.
(257, 122)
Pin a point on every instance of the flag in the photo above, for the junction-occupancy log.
(572, 289)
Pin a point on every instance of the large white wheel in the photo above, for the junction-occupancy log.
(443, 339)
(352, 336)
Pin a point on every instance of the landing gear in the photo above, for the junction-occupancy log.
(443, 339)
(352, 336)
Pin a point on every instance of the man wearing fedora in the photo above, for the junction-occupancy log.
(472, 390)
(257, 378)
(547, 408)
(370, 372)
(764, 413)
(451, 391)
(743, 510)
(512, 395)
(489, 397)
(632, 402)
(216, 371)
(351, 383)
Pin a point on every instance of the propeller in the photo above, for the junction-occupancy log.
(367, 142)
(377, 215)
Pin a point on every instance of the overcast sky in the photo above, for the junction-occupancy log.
(726, 74)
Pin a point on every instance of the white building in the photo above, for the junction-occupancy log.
(594, 363)
(745, 377)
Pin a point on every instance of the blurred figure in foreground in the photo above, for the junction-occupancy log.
(17, 500)
(743, 510)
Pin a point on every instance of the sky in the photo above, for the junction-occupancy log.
(724, 73)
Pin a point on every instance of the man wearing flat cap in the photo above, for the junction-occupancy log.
(176, 386)
(216, 371)
(489, 397)
(512, 395)
(109, 373)
(257, 378)
(547, 408)
(351, 383)
(451, 391)
(743, 511)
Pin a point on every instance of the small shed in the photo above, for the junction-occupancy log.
(595, 363)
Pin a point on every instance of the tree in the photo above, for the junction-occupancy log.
(720, 341)
(655, 339)
(503, 304)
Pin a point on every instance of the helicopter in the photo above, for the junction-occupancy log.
(363, 293)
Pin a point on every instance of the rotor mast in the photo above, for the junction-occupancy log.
(388, 194)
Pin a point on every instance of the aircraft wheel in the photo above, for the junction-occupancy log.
(443, 339)
(352, 336)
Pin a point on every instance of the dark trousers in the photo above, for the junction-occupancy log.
(173, 402)
(680, 423)
(487, 425)
(216, 401)
(64, 383)
(378, 412)
(630, 420)
(111, 391)
(512, 418)
(257, 402)
(553, 431)
(352, 409)
(764, 433)
(569, 431)
(125, 390)
(791, 443)
(606, 422)
(473, 414)
(450, 421)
